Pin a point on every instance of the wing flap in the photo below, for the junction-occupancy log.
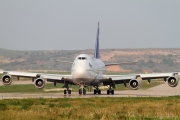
(120, 77)
(157, 75)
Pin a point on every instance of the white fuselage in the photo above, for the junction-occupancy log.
(85, 70)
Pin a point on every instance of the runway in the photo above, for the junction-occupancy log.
(158, 91)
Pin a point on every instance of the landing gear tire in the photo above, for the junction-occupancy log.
(80, 91)
(84, 91)
(95, 91)
(69, 92)
(108, 92)
(112, 92)
(65, 92)
(99, 92)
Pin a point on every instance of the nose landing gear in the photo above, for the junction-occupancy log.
(82, 90)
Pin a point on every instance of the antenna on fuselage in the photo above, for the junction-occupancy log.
(96, 51)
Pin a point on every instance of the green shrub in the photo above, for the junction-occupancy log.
(51, 105)
(3, 107)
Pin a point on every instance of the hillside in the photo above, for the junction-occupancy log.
(148, 60)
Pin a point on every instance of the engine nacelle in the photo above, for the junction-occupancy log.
(134, 84)
(6, 79)
(39, 83)
(172, 81)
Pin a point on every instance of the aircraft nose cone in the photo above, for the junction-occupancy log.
(79, 73)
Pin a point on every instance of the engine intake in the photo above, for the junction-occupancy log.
(39, 83)
(134, 84)
(172, 81)
(6, 79)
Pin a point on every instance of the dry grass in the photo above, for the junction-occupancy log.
(91, 108)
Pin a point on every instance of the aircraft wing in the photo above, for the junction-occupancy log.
(122, 63)
(56, 78)
(142, 76)
(171, 78)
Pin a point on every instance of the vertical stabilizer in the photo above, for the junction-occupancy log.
(96, 51)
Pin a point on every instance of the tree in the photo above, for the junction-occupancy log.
(167, 61)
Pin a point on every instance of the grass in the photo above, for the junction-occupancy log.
(27, 88)
(19, 88)
(139, 108)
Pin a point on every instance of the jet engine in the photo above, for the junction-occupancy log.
(39, 83)
(6, 79)
(134, 84)
(172, 81)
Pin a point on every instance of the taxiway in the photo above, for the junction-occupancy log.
(158, 91)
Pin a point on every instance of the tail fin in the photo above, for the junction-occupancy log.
(96, 51)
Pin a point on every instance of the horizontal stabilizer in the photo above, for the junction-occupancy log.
(65, 62)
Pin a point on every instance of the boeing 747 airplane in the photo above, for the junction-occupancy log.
(90, 71)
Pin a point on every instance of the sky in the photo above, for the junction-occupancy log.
(72, 24)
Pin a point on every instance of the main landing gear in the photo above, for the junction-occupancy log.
(67, 91)
(110, 90)
(97, 91)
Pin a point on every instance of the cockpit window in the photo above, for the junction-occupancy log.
(82, 58)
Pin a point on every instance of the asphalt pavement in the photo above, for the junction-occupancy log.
(158, 91)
